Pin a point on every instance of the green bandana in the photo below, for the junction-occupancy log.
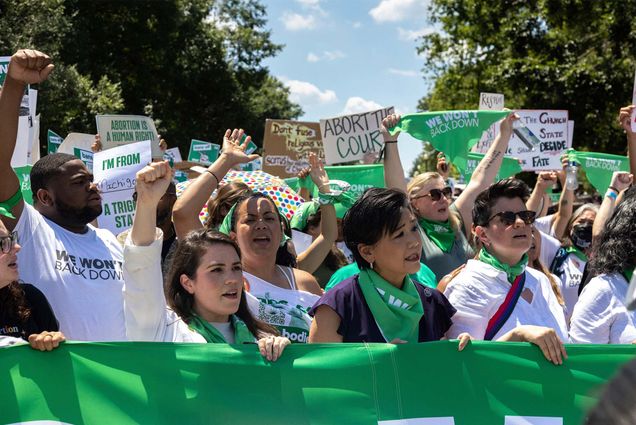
(599, 167)
(579, 254)
(509, 167)
(628, 274)
(511, 271)
(7, 206)
(226, 225)
(440, 232)
(397, 312)
(302, 214)
(242, 334)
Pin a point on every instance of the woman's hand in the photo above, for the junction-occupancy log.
(46, 341)
(621, 180)
(625, 118)
(464, 338)
(234, 146)
(272, 347)
(547, 340)
(442, 166)
(388, 123)
(545, 180)
(152, 182)
(318, 174)
(506, 124)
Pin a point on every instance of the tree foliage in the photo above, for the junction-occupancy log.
(542, 54)
(195, 66)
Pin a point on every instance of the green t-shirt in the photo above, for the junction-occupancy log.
(425, 276)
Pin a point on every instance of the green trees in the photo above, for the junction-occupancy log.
(554, 54)
(195, 66)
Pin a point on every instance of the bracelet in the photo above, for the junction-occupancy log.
(614, 189)
(386, 142)
(213, 175)
(611, 194)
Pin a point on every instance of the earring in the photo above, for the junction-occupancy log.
(371, 264)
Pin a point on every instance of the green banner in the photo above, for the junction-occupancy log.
(432, 383)
(451, 132)
(54, 141)
(599, 167)
(24, 176)
(509, 167)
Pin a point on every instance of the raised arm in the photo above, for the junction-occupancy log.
(566, 203)
(25, 67)
(620, 182)
(393, 171)
(486, 171)
(624, 118)
(185, 213)
(536, 202)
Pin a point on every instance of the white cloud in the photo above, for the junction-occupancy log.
(403, 72)
(327, 55)
(398, 10)
(356, 24)
(297, 22)
(313, 5)
(311, 57)
(305, 93)
(356, 105)
(412, 35)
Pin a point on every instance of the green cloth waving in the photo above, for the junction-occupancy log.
(511, 271)
(440, 232)
(509, 167)
(599, 167)
(242, 334)
(452, 132)
(396, 311)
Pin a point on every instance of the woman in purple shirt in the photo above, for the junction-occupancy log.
(382, 303)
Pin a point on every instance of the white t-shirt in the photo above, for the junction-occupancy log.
(285, 309)
(570, 279)
(549, 248)
(544, 224)
(479, 290)
(80, 274)
(600, 315)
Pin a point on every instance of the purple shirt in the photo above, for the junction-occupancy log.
(358, 325)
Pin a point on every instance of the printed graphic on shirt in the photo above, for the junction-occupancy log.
(88, 268)
(292, 321)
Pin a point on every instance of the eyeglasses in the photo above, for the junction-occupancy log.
(9, 242)
(436, 194)
(509, 218)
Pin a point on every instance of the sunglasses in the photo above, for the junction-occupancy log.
(436, 194)
(509, 217)
(9, 242)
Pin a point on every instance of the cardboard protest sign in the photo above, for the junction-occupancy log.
(509, 167)
(24, 176)
(85, 156)
(115, 171)
(348, 138)
(203, 152)
(491, 101)
(82, 141)
(599, 167)
(174, 154)
(548, 127)
(53, 141)
(287, 144)
(118, 130)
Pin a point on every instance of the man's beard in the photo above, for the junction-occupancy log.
(78, 215)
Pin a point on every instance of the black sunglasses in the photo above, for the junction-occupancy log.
(8, 242)
(436, 194)
(509, 217)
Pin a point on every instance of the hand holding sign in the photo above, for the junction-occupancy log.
(30, 66)
(234, 146)
(152, 182)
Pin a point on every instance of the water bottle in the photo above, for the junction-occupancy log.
(571, 179)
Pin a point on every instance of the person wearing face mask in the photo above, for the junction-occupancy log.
(570, 259)
(445, 224)
(497, 296)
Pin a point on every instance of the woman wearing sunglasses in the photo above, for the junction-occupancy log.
(25, 312)
(497, 296)
(445, 224)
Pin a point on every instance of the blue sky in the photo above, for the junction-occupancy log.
(343, 57)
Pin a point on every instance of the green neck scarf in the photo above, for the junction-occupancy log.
(440, 232)
(397, 312)
(242, 334)
(579, 254)
(511, 271)
(628, 274)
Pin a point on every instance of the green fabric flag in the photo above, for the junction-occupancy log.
(489, 383)
(451, 132)
(24, 176)
(242, 334)
(509, 167)
(599, 167)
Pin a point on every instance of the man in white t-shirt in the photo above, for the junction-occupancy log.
(77, 266)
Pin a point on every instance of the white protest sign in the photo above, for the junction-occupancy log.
(551, 129)
(118, 130)
(34, 151)
(173, 153)
(349, 137)
(634, 103)
(82, 141)
(491, 101)
(301, 240)
(115, 171)
(570, 133)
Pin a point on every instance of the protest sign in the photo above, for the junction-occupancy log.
(550, 128)
(488, 383)
(491, 101)
(76, 140)
(85, 156)
(53, 141)
(254, 165)
(509, 167)
(24, 176)
(360, 177)
(115, 171)
(118, 130)
(203, 152)
(174, 154)
(349, 137)
(180, 176)
(287, 144)
(599, 167)
(451, 132)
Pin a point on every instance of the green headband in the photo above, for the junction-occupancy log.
(226, 225)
